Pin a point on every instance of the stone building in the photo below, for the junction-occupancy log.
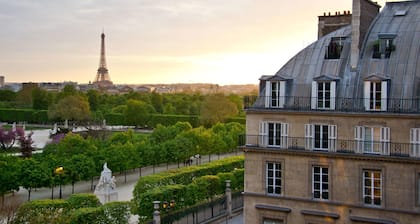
(334, 135)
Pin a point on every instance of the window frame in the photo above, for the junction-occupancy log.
(265, 134)
(321, 183)
(274, 177)
(382, 144)
(372, 103)
(310, 137)
(415, 142)
(372, 187)
(326, 95)
(279, 93)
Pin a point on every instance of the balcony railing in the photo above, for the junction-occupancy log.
(333, 145)
(391, 105)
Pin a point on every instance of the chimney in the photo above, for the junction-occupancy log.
(364, 12)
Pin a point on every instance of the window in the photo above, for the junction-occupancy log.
(372, 187)
(274, 134)
(375, 94)
(272, 221)
(320, 137)
(323, 95)
(320, 182)
(415, 142)
(335, 48)
(374, 140)
(383, 48)
(275, 94)
(273, 178)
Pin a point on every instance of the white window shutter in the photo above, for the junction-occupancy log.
(333, 94)
(332, 137)
(309, 136)
(267, 94)
(415, 142)
(366, 95)
(314, 95)
(263, 137)
(359, 138)
(284, 134)
(385, 139)
(282, 94)
(384, 95)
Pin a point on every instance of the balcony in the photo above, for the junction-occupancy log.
(287, 103)
(332, 145)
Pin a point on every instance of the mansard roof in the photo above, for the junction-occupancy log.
(399, 21)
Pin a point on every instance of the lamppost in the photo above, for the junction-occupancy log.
(156, 206)
(59, 171)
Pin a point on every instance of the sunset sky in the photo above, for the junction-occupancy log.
(155, 41)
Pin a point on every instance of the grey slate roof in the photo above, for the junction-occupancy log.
(399, 20)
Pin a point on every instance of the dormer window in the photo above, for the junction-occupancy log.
(376, 93)
(383, 47)
(275, 94)
(335, 48)
(323, 93)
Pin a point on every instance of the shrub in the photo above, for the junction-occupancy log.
(83, 201)
(43, 211)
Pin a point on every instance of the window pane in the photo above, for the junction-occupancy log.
(324, 195)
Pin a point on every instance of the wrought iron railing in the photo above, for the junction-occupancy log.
(390, 105)
(333, 145)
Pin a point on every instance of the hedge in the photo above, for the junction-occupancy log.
(23, 115)
(42, 211)
(187, 186)
(187, 174)
(83, 201)
(79, 208)
(155, 119)
(202, 189)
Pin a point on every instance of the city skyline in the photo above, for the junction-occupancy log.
(157, 41)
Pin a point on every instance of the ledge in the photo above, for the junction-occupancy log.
(272, 207)
(319, 213)
(371, 220)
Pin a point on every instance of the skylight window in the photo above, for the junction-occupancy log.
(402, 12)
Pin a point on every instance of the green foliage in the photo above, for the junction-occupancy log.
(157, 186)
(87, 216)
(8, 174)
(71, 107)
(138, 113)
(217, 108)
(28, 115)
(43, 211)
(79, 208)
(83, 201)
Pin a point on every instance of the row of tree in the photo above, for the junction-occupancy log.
(82, 158)
(71, 104)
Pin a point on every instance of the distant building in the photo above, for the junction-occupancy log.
(334, 135)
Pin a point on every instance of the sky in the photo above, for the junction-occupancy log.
(156, 41)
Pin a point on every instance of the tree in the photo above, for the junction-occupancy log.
(40, 99)
(93, 98)
(7, 95)
(138, 112)
(8, 175)
(79, 167)
(32, 175)
(71, 107)
(8, 138)
(216, 108)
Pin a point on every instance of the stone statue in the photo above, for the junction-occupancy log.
(105, 190)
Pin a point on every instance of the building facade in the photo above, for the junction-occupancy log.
(334, 135)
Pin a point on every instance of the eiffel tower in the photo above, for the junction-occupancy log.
(102, 78)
